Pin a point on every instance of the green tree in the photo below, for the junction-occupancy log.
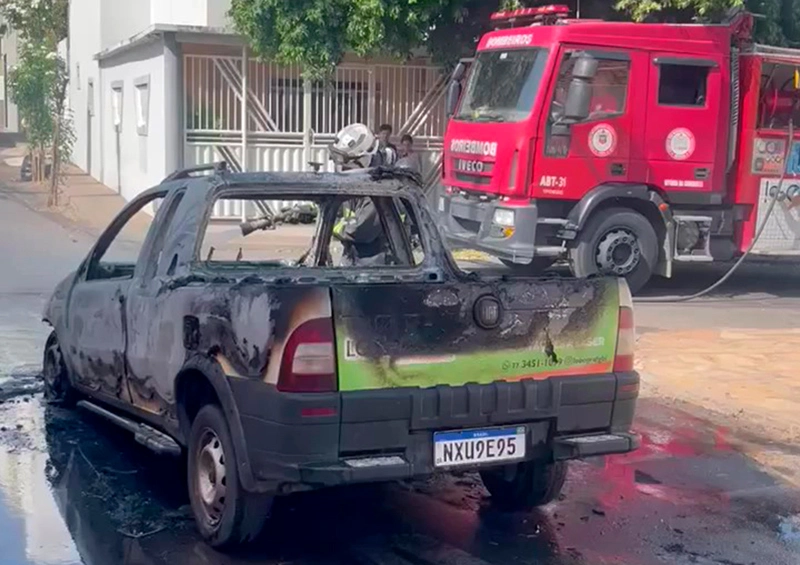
(778, 22)
(38, 83)
(711, 9)
(316, 33)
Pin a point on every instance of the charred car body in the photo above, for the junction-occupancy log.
(283, 375)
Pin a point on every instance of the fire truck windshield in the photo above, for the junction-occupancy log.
(503, 85)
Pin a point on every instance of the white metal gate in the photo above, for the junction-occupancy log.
(265, 117)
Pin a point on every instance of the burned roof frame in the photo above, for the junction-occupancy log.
(382, 181)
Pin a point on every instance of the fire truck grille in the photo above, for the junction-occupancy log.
(473, 179)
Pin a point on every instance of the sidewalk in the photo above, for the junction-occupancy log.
(84, 203)
(745, 379)
(89, 206)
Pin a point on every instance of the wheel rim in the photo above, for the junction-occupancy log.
(618, 252)
(211, 477)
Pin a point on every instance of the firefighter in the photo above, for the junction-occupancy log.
(361, 232)
(360, 229)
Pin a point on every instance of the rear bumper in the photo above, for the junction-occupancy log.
(301, 441)
(469, 224)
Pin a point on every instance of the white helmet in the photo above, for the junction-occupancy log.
(354, 147)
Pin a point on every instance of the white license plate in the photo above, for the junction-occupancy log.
(470, 447)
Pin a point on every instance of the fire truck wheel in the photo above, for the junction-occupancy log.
(616, 241)
(536, 267)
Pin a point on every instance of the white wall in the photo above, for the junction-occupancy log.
(8, 44)
(98, 25)
(218, 13)
(179, 12)
(84, 43)
(121, 19)
(132, 162)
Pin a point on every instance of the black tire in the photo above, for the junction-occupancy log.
(525, 486)
(537, 266)
(57, 386)
(615, 229)
(227, 516)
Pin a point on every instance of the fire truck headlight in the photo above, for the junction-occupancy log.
(503, 217)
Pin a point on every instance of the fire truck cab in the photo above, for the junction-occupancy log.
(621, 147)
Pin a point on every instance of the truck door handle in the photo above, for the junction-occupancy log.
(617, 169)
(701, 174)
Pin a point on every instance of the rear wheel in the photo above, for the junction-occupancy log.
(525, 486)
(226, 515)
(616, 241)
(537, 266)
(57, 387)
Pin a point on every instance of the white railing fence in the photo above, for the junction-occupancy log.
(290, 120)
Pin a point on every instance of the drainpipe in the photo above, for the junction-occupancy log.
(174, 112)
(243, 160)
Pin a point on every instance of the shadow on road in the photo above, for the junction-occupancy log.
(755, 279)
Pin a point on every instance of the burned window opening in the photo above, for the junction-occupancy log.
(323, 231)
(121, 245)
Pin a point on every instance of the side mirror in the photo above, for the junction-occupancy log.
(579, 99)
(585, 67)
(453, 96)
(459, 71)
(579, 96)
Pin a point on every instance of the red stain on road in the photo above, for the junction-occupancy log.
(625, 481)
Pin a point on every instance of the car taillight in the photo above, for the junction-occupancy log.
(626, 333)
(309, 359)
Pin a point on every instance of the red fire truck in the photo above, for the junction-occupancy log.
(621, 147)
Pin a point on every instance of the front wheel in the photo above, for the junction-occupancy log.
(616, 241)
(525, 486)
(226, 515)
(57, 387)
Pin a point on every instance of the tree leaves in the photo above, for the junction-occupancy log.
(641, 9)
(39, 81)
(779, 23)
(317, 33)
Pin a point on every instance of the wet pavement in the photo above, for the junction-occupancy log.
(74, 490)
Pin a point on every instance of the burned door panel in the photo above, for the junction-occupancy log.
(96, 336)
(243, 326)
(427, 334)
(155, 347)
(247, 326)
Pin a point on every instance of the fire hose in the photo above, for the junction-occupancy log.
(759, 231)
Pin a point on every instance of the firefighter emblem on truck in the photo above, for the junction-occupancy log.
(602, 140)
(681, 144)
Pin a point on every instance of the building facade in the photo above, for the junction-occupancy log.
(157, 85)
(9, 118)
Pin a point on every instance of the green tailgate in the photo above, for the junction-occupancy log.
(426, 335)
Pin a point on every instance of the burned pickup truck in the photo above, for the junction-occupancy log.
(278, 360)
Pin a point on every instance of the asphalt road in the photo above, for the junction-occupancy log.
(74, 490)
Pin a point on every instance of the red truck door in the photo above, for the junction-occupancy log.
(687, 128)
(570, 162)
